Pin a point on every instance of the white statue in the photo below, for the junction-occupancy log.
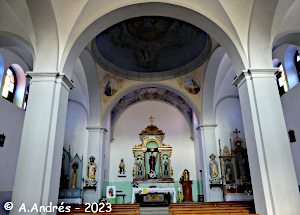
(213, 170)
(213, 166)
(92, 167)
(91, 173)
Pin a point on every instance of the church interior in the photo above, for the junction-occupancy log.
(151, 103)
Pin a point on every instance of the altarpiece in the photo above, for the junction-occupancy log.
(152, 161)
(235, 170)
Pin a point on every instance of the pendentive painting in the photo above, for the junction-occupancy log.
(191, 84)
(110, 87)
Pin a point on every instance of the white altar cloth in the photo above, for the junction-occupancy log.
(154, 190)
(238, 197)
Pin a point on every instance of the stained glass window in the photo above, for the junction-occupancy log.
(281, 80)
(10, 84)
(297, 63)
(26, 97)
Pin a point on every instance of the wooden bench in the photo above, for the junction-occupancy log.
(211, 208)
(116, 209)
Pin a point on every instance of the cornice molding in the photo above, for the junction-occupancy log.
(51, 76)
(206, 126)
(254, 73)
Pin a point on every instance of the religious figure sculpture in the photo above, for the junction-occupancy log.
(228, 174)
(166, 172)
(139, 172)
(152, 162)
(91, 173)
(92, 167)
(74, 176)
(122, 167)
(213, 169)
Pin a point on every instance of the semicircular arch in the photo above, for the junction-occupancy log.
(72, 52)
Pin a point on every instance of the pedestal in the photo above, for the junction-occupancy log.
(187, 191)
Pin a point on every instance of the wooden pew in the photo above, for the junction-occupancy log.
(209, 208)
(116, 209)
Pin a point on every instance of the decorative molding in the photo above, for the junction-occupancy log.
(51, 76)
(97, 128)
(206, 126)
(254, 73)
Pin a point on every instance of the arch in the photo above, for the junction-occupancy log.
(21, 85)
(290, 67)
(1, 69)
(91, 74)
(149, 84)
(292, 37)
(209, 86)
(151, 9)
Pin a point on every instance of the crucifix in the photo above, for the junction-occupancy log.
(236, 132)
(151, 119)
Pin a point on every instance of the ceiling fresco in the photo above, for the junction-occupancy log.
(152, 94)
(150, 45)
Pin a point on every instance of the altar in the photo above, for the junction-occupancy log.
(153, 190)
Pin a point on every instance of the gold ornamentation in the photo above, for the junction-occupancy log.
(152, 129)
(154, 197)
(226, 151)
(133, 172)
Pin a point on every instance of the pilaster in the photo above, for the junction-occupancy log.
(95, 148)
(271, 165)
(209, 146)
(39, 161)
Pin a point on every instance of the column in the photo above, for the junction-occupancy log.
(271, 165)
(209, 146)
(39, 163)
(95, 148)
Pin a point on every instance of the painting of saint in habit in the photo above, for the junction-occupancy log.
(191, 84)
(110, 87)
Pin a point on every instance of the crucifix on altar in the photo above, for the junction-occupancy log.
(152, 157)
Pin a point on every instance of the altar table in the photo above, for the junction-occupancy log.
(154, 190)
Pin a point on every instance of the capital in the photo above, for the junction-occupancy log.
(254, 73)
(51, 76)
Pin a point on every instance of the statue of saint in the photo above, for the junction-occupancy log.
(139, 168)
(166, 172)
(152, 162)
(74, 176)
(122, 167)
(228, 174)
(92, 167)
(213, 166)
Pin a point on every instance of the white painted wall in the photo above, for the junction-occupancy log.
(291, 106)
(76, 134)
(11, 124)
(169, 120)
(228, 118)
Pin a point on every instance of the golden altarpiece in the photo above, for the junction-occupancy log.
(235, 170)
(152, 161)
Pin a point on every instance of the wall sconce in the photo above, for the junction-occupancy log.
(2, 139)
(292, 136)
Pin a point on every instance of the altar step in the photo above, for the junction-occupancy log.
(154, 211)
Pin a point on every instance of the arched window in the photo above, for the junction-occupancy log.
(297, 63)
(26, 97)
(281, 80)
(10, 83)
